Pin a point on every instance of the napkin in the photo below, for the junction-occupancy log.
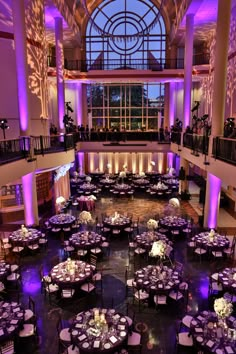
(1, 332)
(229, 350)
(209, 344)
(113, 339)
(80, 338)
(96, 344)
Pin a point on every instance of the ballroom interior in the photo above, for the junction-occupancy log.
(117, 176)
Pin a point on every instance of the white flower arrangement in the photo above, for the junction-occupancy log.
(75, 173)
(211, 234)
(234, 276)
(122, 174)
(152, 224)
(108, 165)
(223, 308)
(152, 163)
(158, 249)
(85, 217)
(60, 200)
(174, 202)
(124, 166)
(142, 174)
(88, 179)
(92, 197)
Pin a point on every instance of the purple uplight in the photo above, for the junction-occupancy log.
(172, 103)
(214, 185)
(28, 187)
(79, 101)
(80, 160)
(170, 159)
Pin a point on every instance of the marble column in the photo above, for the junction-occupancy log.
(30, 199)
(212, 201)
(79, 101)
(188, 65)
(220, 67)
(184, 184)
(60, 73)
(20, 43)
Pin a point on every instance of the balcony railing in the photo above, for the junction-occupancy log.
(176, 138)
(224, 149)
(28, 147)
(127, 136)
(197, 143)
(157, 64)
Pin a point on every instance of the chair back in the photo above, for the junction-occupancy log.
(31, 304)
(93, 260)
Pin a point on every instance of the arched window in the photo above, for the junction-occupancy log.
(125, 33)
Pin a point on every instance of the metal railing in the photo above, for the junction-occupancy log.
(123, 136)
(197, 143)
(27, 147)
(224, 149)
(157, 64)
(176, 137)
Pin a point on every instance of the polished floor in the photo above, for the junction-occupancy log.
(158, 327)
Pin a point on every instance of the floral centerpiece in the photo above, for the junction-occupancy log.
(59, 202)
(24, 231)
(234, 276)
(174, 202)
(85, 217)
(211, 235)
(92, 197)
(88, 179)
(108, 167)
(142, 174)
(152, 224)
(152, 163)
(158, 249)
(122, 175)
(223, 308)
(125, 167)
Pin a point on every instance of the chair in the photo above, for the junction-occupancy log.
(129, 283)
(14, 279)
(28, 332)
(141, 296)
(96, 251)
(43, 241)
(30, 314)
(183, 339)
(230, 251)
(64, 336)
(134, 343)
(160, 299)
(88, 287)
(72, 349)
(50, 290)
(67, 293)
(33, 248)
(199, 251)
(7, 347)
(93, 260)
(215, 288)
(186, 320)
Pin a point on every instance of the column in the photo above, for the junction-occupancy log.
(171, 104)
(220, 67)
(20, 42)
(84, 104)
(188, 64)
(166, 107)
(183, 183)
(212, 201)
(60, 72)
(30, 199)
(79, 100)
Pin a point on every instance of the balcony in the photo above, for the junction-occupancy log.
(157, 64)
(28, 147)
(224, 149)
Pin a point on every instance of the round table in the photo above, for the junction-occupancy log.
(71, 274)
(85, 203)
(122, 189)
(159, 187)
(85, 240)
(204, 240)
(157, 279)
(173, 222)
(62, 220)
(76, 181)
(99, 331)
(88, 187)
(146, 239)
(11, 320)
(117, 222)
(142, 182)
(209, 335)
(5, 270)
(172, 182)
(97, 174)
(23, 239)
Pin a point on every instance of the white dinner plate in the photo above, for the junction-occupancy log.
(122, 333)
(107, 345)
(85, 345)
